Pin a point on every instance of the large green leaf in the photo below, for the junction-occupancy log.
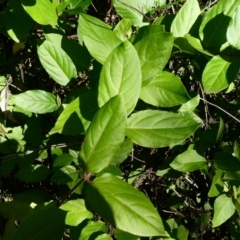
(214, 26)
(154, 129)
(16, 21)
(42, 11)
(219, 73)
(233, 35)
(15, 209)
(104, 136)
(185, 18)
(76, 212)
(121, 74)
(98, 37)
(121, 235)
(33, 173)
(164, 90)
(223, 210)
(189, 161)
(77, 116)
(56, 62)
(37, 101)
(45, 223)
(154, 48)
(226, 162)
(133, 10)
(123, 206)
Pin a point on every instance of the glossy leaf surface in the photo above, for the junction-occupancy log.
(57, 63)
(121, 74)
(104, 136)
(153, 128)
(123, 206)
(36, 101)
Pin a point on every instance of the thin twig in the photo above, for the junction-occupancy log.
(230, 115)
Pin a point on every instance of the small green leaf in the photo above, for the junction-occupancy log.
(232, 176)
(154, 129)
(226, 162)
(76, 212)
(64, 175)
(236, 150)
(223, 210)
(164, 90)
(219, 73)
(96, 228)
(217, 184)
(63, 160)
(41, 11)
(15, 209)
(121, 74)
(104, 136)
(133, 10)
(233, 35)
(123, 206)
(121, 235)
(36, 101)
(56, 62)
(104, 236)
(190, 105)
(123, 30)
(98, 37)
(33, 173)
(185, 18)
(189, 161)
(77, 114)
(153, 56)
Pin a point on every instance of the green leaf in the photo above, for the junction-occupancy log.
(38, 9)
(56, 62)
(233, 35)
(123, 206)
(133, 10)
(214, 26)
(76, 212)
(33, 173)
(219, 73)
(155, 129)
(98, 37)
(124, 150)
(189, 161)
(16, 21)
(153, 56)
(164, 90)
(123, 30)
(223, 210)
(77, 113)
(63, 160)
(92, 230)
(36, 101)
(15, 209)
(217, 184)
(104, 236)
(226, 162)
(185, 18)
(64, 175)
(232, 176)
(196, 43)
(236, 150)
(44, 223)
(190, 105)
(121, 74)
(104, 136)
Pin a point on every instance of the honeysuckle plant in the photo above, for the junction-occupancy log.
(102, 90)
